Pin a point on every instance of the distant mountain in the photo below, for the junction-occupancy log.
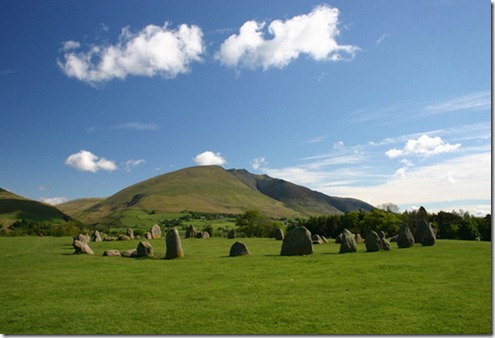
(14, 207)
(212, 189)
(299, 198)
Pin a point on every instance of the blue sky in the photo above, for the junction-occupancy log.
(385, 101)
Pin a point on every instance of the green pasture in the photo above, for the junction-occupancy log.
(45, 289)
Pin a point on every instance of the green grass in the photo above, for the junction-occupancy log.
(44, 289)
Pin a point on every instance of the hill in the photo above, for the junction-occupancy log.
(14, 207)
(215, 190)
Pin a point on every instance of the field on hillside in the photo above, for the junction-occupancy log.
(45, 289)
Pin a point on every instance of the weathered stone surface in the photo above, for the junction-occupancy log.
(144, 249)
(202, 234)
(232, 234)
(81, 248)
(385, 244)
(405, 238)
(109, 239)
(130, 233)
(81, 238)
(129, 253)
(148, 236)
(348, 242)
(191, 232)
(324, 239)
(174, 245)
(297, 242)
(239, 249)
(316, 239)
(428, 234)
(155, 231)
(111, 253)
(95, 237)
(279, 234)
(358, 238)
(373, 242)
(338, 239)
(123, 238)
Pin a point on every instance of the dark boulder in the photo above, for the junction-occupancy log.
(428, 234)
(238, 249)
(297, 242)
(279, 234)
(232, 234)
(373, 242)
(405, 238)
(144, 249)
(348, 242)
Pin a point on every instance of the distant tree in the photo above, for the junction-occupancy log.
(380, 220)
(390, 207)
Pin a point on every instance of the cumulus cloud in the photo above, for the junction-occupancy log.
(312, 34)
(209, 158)
(87, 161)
(423, 146)
(151, 51)
(54, 200)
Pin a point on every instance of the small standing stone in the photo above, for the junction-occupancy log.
(95, 237)
(297, 242)
(130, 233)
(232, 234)
(81, 248)
(156, 232)
(239, 249)
(348, 242)
(144, 249)
(373, 242)
(111, 253)
(191, 232)
(406, 238)
(279, 234)
(174, 245)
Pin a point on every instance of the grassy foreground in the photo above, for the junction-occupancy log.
(45, 289)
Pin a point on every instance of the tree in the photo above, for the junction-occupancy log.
(390, 207)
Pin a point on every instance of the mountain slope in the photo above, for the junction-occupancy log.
(14, 207)
(205, 188)
(299, 198)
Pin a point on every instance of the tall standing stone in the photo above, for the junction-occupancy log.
(373, 242)
(348, 242)
(405, 238)
(279, 234)
(174, 245)
(428, 234)
(297, 242)
(81, 248)
(95, 237)
(130, 233)
(191, 232)
(155, 231)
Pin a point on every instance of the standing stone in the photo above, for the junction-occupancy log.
(324, 239)
(358, 238)
(338, 239)
(373, 242)
(123, 238)
(174, 245)
(279, 234)
(148, 236)
(385, 244)
(191, 232)
(81, 238)
(297, 242)
(81, 248)
(316, 239)
(130, 233)
(156, 232)
(109, 239)
(348, 242)
(95, 237)
(428, 234)
(239, 249)
(129, 253)
(405, 238)
(112, 253)
(144, 249)
(232, 234)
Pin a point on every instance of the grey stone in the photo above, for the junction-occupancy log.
(148, 236)
(109, 239)
(232, 234)
(111, 253)
(279, 234)
(405, 238)
(316, 239)
(144, 249)
(81, 238)
(129, 253)
(348, 242)
(95, 237)
(174, 245)
(373, 242)
(155, 231)
(123, 238)
(297, 242)
(130, 233)
(428, 234)
(191, 232)
(81, 248)
(239, 249)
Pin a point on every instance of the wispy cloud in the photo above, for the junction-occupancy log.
(137, 126)
(11, 71)
(131, 164)
(473, 101)
(54, 200)
(382, 38)
(152, 51)
(313, 34)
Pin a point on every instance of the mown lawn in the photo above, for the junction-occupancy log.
(45, 289)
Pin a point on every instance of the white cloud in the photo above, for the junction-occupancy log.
(258, 162)
(131, 164)
(153, 50)
(137, 126)
(312, 34)
(209, 158)
(54, 200)
(87, 161)
(473, 101)
(423, 146)
(382, 38)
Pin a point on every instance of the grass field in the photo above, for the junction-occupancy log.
(45, 289)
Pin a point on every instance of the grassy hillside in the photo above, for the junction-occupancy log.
(75, 207)
(439, 290)
(207, 189)
(14, 207)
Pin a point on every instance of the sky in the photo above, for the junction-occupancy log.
(385, 101)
